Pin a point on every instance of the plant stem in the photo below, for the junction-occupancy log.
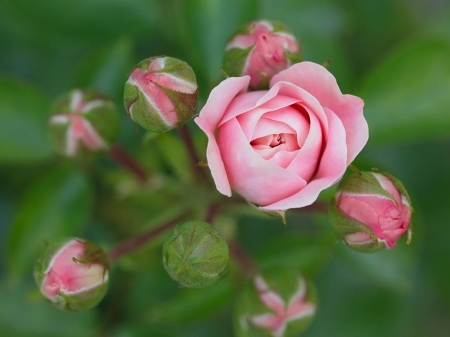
(185, 136)
(121, 157)
(138, 241)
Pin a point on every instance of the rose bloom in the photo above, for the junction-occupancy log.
(280, 147)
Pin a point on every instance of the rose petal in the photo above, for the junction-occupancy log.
(331, 168)
(321, 84)
(266, 127)
(208, 120)
(249, 173)
(295, 119)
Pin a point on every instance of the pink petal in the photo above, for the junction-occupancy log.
(331, 168)
(267, 126)
(387, 184)
(295, 119)
(321, 84)
(308, 158)
(208, 120)
(249, 173)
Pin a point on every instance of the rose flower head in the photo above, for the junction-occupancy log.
(279, 148)
(83, 120)
(161, 94)
(260, 49)
(195, 254)
(279, 302)
(72, 273)
(371, 211)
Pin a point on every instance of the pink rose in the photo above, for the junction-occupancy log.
(371, 211)
(279, 148)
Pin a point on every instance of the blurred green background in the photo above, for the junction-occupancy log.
(395, 54)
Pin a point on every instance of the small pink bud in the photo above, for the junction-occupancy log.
(371, 211)
(72, 273)
(260, 49)
(83, 120)
(279, 302)
(161, 94)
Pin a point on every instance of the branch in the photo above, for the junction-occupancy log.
(121, 157)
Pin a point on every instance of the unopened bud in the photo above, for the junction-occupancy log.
(279, 302)
(161, 94)
(72, 273)
(195, 254)
(83, 120)
(371, 211)
(260, 49)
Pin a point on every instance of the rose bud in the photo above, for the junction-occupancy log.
(371, 211)
(279, 148)
(72, 273)
(260, 49)
(195, 254)
(83, 120)
(161, 94)
(279, 302)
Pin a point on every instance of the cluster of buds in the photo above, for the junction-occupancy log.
(161, 94)
(195, 254)
(83, 120)
(279, 303)
(72, 273)
(260, 49)
(371, 211)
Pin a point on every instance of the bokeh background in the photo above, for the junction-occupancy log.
(395, 54)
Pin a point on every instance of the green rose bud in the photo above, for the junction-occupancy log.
(83, 120)
(371, 211)
(279, 302)
(72, 273)
(161, 94)
(195, 254)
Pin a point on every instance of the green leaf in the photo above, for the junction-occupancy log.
(107, 68)
(407, 97)
(23, 315)
(23, 118)
(55, 206)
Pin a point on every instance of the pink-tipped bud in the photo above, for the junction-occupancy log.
(279, 302)
(83, 120)
(260, 49)
(161, 94)
(371, 211)
(72, 273)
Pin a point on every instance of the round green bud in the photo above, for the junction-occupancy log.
(195, 254)
(72, 273)
(279, 302)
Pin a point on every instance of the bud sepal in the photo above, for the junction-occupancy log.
(195, 254)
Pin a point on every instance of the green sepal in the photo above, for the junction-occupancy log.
(364, 183)
(399, 186)
(185, 104)
(234, 60)
(178, 68)
(93, 254)
(279, 27)
(273, 213)
(195, 254)
(83, 300)
(343, 225)
(293, 58)
(144, 113)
